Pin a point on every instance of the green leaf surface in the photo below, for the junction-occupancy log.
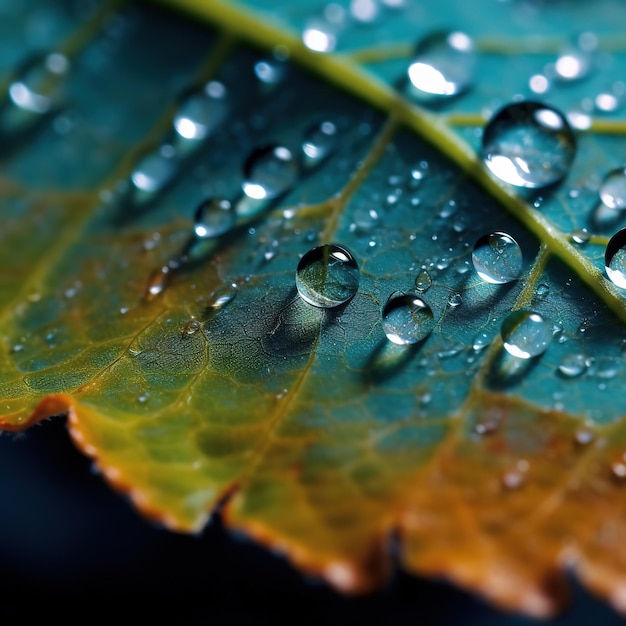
(322, 437)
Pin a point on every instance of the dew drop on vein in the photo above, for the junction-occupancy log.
(407, 318)
(529, 144)
(423, 281)
(525, 334)
(443, 66)
(327, 276)
(497, 258)
(615, 259)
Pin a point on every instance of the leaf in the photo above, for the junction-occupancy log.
(316, 434)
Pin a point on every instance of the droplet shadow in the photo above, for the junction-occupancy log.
(506, 370)
(388, 359)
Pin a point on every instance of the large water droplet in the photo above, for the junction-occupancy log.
(269, 172)
(497, 258)
(201, 113)
(613, 189)
(407, 318)
(327, 276)
(529, 144)
(615, 259)
(443, 66)
(320, 140)
(525, 334)
(213, 217)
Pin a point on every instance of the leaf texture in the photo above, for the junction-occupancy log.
(214, 384)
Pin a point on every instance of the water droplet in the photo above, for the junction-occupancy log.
(271, 71)
(573, 365)
(221, 296)
(525, 334)
(573, 64)
(191, 328)
(327, 276)
(269, 172)
(213, 217)
(423, 281)
(154, 171)
(364, 11)
(615, 259)
(529, 144)
(584, 436)
(443, 66)
(513, 479)
(158, 282)
(618, 468)
(320, 141)
(407, 318)
(143, 398)
(539, 83)
(497, 258)
(320, 33)
(200, 113)
(36, 85)
(365, 220)
(613, 189)
(580, 236)
(481, 340)
(543, 290)
(455, 300)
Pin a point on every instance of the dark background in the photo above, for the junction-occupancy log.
(71, 548)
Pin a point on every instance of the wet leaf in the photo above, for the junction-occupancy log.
(157, 201)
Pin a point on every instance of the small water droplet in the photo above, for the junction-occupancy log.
(580, 236)
(525, 334)
(18, 347)
(618, 469)
(407, 318)
(124, 310)
(573, 64)
(539, 83)
(213, 217)
(200, 113)
(615, 259)
(35, 88)
(143, 398)
(423, 281)
(320, 141)
(158, 282)
(584, 436)
(455, 300)
(191, 328)
(327, 276)
(613, 189)
(529, 144)
(481, 340)
(271, 71)
(443, 66)
(365, 220)
(269, 172)
(321, 33)
(364, 11)
(573, 365)
(497, 258)
(221, 296)
(543, 290)
(154, 171)
(512, 480)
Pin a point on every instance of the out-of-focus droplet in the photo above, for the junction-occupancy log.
(221, 296)
(497, 258)
(319, 142)
(213, 217)
(613, 189)
(154, 171)
(201, 113)
(573, 365)
(525, 334)
(269, 172)
(327, 276)
(615, 259)
(529, 144)
(407, 318)
(158, 282)
(455, 300)
(321, 33)
(272, 71)
(443, 66)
